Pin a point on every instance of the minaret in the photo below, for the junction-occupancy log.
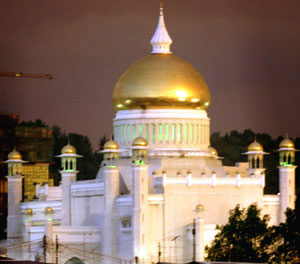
(14, 192)
(68, 175)
(255, 158)
(111, 173)
(161, 40)
(286, 176)
(140, 197)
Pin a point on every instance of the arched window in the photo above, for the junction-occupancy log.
(160, 133)
(147, 132)
(173, 133)
(140, 130)
(179, 137)
(185, 133)
(153, 133)
(289, 161)
(167, 132)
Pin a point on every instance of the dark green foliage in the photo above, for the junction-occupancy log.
(99, 156)
(285, 240)
(247, 238)
(232, 145)
(241, 238)
(36, 123)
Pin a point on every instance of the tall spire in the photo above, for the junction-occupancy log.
(161, 40)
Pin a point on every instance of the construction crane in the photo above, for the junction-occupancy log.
(26, 75)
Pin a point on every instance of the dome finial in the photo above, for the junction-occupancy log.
(161, 40)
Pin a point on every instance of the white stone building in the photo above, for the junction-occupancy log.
(159, 181)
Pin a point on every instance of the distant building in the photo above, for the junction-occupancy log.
(161, 189)
(36, 145)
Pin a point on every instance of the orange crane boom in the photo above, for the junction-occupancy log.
(26, 75)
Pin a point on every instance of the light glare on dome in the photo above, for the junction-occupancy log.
(119, 105)
(206, 103)
(181, 94)
(195, 100)
(128, 101)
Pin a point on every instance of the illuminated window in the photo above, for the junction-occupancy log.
(128, 134)
(124, 133)
(191, 133)
(134, 131)
(179, 126)
(173, 132)
(167, 132)
(139, 162)
(140, 130)
(153, 133)
(185, 133)
(160, 133)
(147, 132)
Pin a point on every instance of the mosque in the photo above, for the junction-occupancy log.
(161, 189)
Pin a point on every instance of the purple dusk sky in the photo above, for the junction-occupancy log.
(248, 51)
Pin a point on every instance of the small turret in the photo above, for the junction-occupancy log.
(68, 175)
(139, 151)
(255, 158)
(14, 163)
(68, 158)
(14, 185)
(111, 154)
(140, 196)
(286, 176)
(286, 152)
(213, 152)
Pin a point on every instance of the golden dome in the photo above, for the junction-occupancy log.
(68, 149)
(48, 210)
(111, 145)
(139, 142)
(28, 211)
(287, 143)
(255, 146)
(213, 151)
(15, 155)
(199, 207)
(161, 81)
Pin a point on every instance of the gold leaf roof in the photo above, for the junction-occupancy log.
(161, 81)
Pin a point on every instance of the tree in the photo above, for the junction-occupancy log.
(242, 238)
(284, 240)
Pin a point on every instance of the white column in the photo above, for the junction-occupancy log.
(287, 189)
(67, 178)
(49, 230)
(139, 214)
(110, 221)
(199, 239)
(14, 218)
(170, 133)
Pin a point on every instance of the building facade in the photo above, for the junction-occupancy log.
(161, 190)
